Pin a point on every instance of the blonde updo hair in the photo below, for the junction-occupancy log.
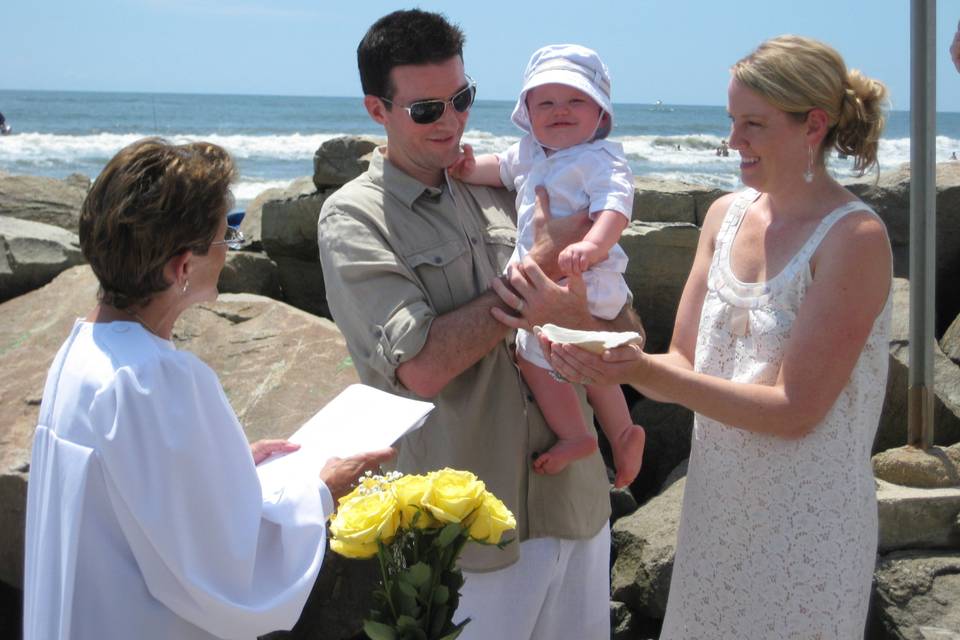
(797, 74)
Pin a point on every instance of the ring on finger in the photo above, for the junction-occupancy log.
(520, 305)
(556, 376)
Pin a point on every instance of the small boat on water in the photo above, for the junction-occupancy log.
(659, 106)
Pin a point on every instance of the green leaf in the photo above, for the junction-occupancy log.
(441, 594)
(407, 622)
(413, 633)
(453, 579)
(418, 575)
(457, 630)
(448, 534)
(407, 602)
(378, 631)
(439, 620)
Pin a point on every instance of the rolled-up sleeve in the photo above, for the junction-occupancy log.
(376, 299)
(509, 160)
(609, 184)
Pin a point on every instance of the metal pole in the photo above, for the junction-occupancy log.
(923, 218)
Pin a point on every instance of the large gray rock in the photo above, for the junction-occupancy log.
(950, 343)
(46, 200)
(909, 466)
(290, 239)
(668, 427)
(646, 542)
(278, 366)
(79, 180)
(252, 221)
(917, 518)
(290, 227)
(250, 272)
(661, 255)
(892, 431)
(891, 199)
(916, 597)
(32, 254)
(340, 160)
(663, 201)
(658, 200)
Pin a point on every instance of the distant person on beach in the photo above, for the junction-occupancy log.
(145, 516)
(565, 108)
(4, 127)
(780, 347)
(953, 156)
(408, 258)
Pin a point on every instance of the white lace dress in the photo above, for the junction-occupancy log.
(777, 537)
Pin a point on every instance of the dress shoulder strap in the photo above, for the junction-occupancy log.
(813, 242)
(734, 215)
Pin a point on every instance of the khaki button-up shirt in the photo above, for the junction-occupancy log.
(396, 254)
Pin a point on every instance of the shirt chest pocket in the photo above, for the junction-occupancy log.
(500, 242)
(445, 274)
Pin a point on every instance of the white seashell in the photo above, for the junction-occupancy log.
(595, 341)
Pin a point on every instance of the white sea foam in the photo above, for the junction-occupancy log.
(486, 142)
(267, 159)
(46, 149)
(245, 191)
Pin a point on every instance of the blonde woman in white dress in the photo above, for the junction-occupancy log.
(780, 347)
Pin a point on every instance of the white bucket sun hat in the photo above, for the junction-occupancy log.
(572, 65)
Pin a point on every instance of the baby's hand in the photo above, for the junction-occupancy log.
(578, 257)
(464, 165)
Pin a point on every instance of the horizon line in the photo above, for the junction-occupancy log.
(656, 103)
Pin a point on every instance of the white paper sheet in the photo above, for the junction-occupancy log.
(360, 419)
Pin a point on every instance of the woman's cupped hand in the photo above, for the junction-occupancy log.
(622, 365)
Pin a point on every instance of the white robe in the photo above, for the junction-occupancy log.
(145, 515)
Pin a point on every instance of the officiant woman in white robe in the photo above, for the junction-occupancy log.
(145, 515)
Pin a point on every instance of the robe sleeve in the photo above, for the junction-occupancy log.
(183, 485)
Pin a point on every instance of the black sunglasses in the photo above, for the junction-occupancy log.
(428, 111)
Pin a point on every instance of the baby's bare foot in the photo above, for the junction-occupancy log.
(565, 451)
(628, 454)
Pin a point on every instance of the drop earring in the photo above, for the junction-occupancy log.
(186, 284)
(808, 174)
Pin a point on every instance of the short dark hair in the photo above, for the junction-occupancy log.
(151, 202)
(404, 37)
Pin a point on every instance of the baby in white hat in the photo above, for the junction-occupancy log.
(566, 111)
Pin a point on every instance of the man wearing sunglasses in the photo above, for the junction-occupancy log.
(408, 260)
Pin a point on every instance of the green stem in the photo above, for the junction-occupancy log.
(447, 557)
(386, 585)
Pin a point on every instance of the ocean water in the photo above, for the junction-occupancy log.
(273, 138)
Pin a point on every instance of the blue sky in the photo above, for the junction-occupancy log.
(677, 51)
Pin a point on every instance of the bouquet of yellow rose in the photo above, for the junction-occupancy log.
(417, 525)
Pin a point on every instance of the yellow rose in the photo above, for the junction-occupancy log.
(453, 494)
(410, 490)
(490, 520)
(366, 485)
(362, 521)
